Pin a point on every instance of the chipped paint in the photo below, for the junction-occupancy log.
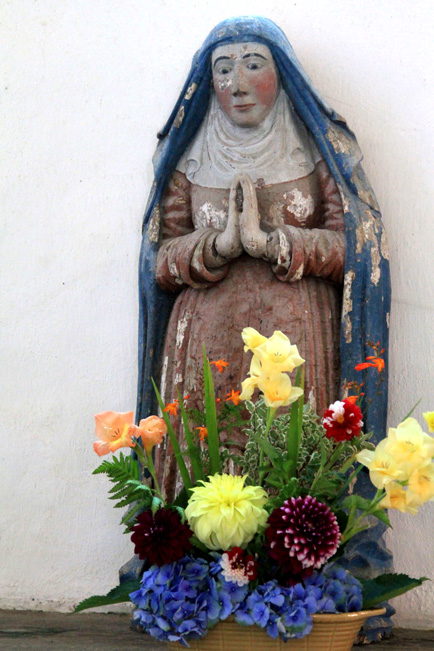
(340, 143)
(208, 216)
(366, 232)
(190, 91)
(224, 84)
(364, 192)
(302, 207)
(173, 269)
(178, 378)
(163, 381)
(154, 224)
(388, 319)
(284, 256)
(179, 118)
(180, 331)
(344, 200)
(298, 274)
(347, 305)
(384, 247)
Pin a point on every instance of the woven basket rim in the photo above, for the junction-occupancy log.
(359, 614)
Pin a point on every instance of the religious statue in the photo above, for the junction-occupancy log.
(260, 215)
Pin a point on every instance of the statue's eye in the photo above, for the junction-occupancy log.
(224, 71)
(254, 66)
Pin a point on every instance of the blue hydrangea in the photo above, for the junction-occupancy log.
(337, 591)
(179, 601)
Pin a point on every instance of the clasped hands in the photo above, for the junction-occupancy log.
(242, 232)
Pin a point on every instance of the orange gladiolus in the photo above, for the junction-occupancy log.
(203, 432)
(152, 429)
(233, 396)
(114, 430)
(220, 364)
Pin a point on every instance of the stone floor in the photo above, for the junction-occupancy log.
(37, 631)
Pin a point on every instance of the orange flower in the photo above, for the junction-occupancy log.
(114, 430)
(172, 408)
(151, 429)
(375, 361)
(352, 399)
(203, 433)
(233, 396)
(220, 364)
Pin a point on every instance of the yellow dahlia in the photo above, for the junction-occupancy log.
(224, 513)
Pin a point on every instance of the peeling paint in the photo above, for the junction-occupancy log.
(179, 117)
(338, 141)
(178, 378)
(163, 381)
(224, 84)
(180, 331)
(384, 246)
(347, 305)
(154, 224)
(190, 91)
(284, 256)
(209, 217)
(364, 192)
(388, 319)
(366, 232)
(302, 207)
(298, 275)
(344, 199)
(173, 269)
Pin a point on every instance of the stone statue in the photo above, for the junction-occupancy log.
(260, 215)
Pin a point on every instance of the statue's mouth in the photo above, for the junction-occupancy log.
(243, 107)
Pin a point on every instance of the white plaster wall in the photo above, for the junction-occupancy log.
(86, 86)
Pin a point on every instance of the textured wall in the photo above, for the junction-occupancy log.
(86, 87)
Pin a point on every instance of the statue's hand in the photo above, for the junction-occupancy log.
(253, 239)
(228, 243)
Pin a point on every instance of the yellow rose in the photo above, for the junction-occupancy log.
(429, 417)
(224, 513)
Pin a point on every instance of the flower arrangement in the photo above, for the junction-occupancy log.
(263, 546)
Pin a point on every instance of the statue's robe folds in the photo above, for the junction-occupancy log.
(300, 294)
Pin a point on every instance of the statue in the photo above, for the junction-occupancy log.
(260, 215)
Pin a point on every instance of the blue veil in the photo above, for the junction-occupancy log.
(366, 293)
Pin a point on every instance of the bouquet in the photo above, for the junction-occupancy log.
(264, 544)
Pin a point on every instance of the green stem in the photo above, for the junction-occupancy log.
(345, 486)
(354, 527)
(146, 459)
(270, 417)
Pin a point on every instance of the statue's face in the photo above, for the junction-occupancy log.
(245, 81)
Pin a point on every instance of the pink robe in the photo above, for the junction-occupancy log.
(300, 294)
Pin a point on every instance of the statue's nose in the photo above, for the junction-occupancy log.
(240, 84)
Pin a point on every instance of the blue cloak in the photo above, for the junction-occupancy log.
(366, 292)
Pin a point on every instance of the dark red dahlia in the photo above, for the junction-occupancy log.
(343, 420)
(302, 535)
(239, 567)
(161, 538)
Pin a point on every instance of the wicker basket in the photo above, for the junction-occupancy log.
(329, 633)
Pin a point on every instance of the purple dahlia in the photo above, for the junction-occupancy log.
(161, 538)
(302, 535)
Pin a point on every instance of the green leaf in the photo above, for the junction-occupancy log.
(211, 418)
(193, 450)
(382, 515)
(268, 449)
(174, 441)
(118, 595)
(295, 427)
(155, 504)
(387, 586)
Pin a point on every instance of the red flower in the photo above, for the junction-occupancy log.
(302, 535)
(238, 567)
(161, 538)
(220, 364)
(233, 396)
(377, 362)
(343, 420)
